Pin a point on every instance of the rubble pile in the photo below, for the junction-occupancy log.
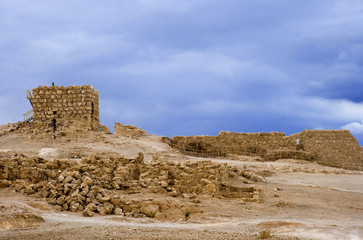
(105, 185)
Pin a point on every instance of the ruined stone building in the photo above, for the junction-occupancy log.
(336, 148)
(78, 106)
(66, 106)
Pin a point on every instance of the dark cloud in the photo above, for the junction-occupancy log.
(191, 67)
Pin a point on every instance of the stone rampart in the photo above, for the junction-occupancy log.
(337, 148)
(77, 105)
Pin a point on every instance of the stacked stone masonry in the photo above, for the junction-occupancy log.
(337, 148)
(251, 144)
(101, 184)
(78, 104)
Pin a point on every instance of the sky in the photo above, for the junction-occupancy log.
(191, 67)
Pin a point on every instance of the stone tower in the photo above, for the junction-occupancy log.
(66, 106)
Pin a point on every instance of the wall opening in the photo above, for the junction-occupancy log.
(92, 111)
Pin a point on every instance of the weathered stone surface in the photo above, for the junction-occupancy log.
(105, 208)
(128, 130)
(88, 213)
(150, 210)
(336, 148)
(19, 220)
(55, 107)
(87, 181)
(91, 206)
(118, 211)
(88, 190)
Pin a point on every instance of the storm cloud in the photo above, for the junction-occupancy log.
(192, 67)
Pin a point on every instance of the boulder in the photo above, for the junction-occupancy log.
(68, 179)
(91, 207)
(118, 211)
(87, 181)
(105, 208)
(88, 213)
(150, 210)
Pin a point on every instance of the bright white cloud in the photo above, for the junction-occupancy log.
(354, 127)
(331, 110)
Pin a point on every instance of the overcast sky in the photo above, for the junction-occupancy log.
(192, 67)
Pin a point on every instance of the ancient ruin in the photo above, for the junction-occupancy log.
(64, 106)
(128, 130)
(62, 159)
(336, 148)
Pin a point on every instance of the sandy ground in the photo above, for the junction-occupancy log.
(299, 200)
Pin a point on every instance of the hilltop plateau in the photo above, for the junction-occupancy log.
(87, 184)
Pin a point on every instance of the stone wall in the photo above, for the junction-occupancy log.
(337, 148)
(128, 130)
(78, 105)
(251, 144)
(101, 183)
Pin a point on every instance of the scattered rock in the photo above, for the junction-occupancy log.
(265, 234)
(88, 212)
(150, 210)
(20, 220)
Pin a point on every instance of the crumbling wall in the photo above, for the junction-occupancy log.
(94, 183)
(75, 105)
(128, 130)
(251, 144)
(337, 148)
(254, 143)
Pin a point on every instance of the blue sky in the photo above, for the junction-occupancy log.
(192, 67)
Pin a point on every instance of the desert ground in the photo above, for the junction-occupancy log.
(297, 199)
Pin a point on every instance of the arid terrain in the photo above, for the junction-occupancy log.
(296, 199)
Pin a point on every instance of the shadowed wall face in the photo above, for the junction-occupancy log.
(66, 105)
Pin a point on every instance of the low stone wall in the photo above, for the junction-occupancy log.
(337, 148)
(128, 130)
(251, 144)
(93, 184)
